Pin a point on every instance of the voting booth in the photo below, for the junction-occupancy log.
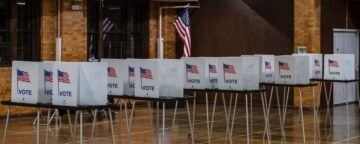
(339, 66)
(292, 69)
(159, 77)
(238, 73)
(267, 67)
(117, 74)
(315, 65)
(25, 82)
(79, 83)
(201, 72)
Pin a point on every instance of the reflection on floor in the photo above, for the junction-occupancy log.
(21, 130)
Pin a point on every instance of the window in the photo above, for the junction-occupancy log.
(19, 30)
(123, 26)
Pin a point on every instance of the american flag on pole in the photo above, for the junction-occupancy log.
(212, 68)
(229, 69)
(48, 76)
(63, 77)
(317, 63)
(111, 72)
(284, 66)
(333, 63)
(145, 73)
(182, 26)
(192, 68)
(131, 71)
(267, 65)
(23, 76)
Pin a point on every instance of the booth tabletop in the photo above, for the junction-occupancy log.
(40, 105)
(330, 80)
(161, 99)
(289, 85)
(225, 91)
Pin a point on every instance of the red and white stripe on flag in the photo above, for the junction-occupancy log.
(182, 26)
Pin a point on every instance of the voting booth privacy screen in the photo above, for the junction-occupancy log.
(46, 81)
(292, 69)
(117, 73)
(25, 82)
(266, 65)
(238, 73)
(74, 83)
(201, 72)
(315, 65)
(129, 87)
(155, 78)
(339, 66)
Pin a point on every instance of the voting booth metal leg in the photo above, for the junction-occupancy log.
(81, 127)
(111, 126)
(151, 120)
(263, 101)
(38, 126)
(207, 117)
(194, 111)
(233, 118)
(226, 117)
(316, 125)
(357, 93)
(157, 122)
(76, 123)
(327, 96)
(190, 125)
(280, 117)
(70, 125)
(130, 122)
(47, 126)
(163, 123)
(213, 115)
(6, 124)
(268, 112)
(173, 121)
(93, 126)
(302, 116)
(247, 120)
(347, 111)
(120, 119)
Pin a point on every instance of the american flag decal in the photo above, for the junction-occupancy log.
(145, 73)
(48, 76)
(63, 77)
(284, 66)
(333, 63)
(131, 71)
(317, 63)
(229, 69)
(23, 76)
(267, 65)
(212, 68)
(192, 68)
(111, 72)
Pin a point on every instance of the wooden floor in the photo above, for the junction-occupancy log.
(21, 130)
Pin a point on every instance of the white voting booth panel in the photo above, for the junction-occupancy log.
(46, 81)
(238, 73)
(155, 78)
(25, 82)
(129, 87)
(315, 65)
(117, 74)
(267, 67)
(339, 66)
(201, 72)
(292, 69)
(79, 83)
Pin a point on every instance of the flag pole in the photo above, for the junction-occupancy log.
(160, 38)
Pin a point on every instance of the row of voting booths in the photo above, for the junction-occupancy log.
(83, 83)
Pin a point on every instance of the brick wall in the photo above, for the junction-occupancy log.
(74, 43)
(307, 33)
